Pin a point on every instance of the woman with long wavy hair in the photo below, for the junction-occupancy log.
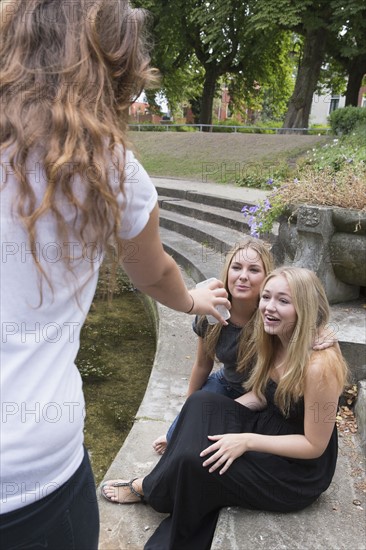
(69, 187)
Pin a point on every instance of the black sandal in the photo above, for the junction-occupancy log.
(122, 484)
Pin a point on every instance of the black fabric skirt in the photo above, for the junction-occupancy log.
(180, 486)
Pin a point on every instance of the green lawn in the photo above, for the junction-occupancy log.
(196, 154)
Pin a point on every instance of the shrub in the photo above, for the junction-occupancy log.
(345, 120)
(185, 128)
(337, 154)
(147, 127)
(261, 176)
(333, 175)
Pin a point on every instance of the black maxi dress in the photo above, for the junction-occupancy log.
(181, 486)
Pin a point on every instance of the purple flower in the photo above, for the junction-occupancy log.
(267, 205)
(254, 233)
(296, 180)
(269, 181)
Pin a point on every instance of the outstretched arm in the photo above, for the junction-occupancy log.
(155, 273)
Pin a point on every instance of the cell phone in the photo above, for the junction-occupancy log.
(224, 312)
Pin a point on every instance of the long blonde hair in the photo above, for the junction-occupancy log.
(68, 73)
(312, 310)
(246, 348)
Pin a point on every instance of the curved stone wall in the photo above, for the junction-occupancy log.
(331, 242)
(348, 257)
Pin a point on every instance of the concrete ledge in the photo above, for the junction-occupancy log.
(348, 320)
(129, 527)
(334, 522)
(360, 411)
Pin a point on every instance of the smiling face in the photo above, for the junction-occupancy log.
(277, 310)
(245, 275)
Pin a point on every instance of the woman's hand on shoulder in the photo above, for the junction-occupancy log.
(325, 337)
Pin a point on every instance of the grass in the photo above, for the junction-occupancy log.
(115, 360)
(215, 157)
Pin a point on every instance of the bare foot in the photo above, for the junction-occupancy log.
(160, 445)
(123, 492)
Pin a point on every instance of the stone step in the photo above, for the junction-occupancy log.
(242, 195)
(330, 523)
(215, 236)
(203, 198)
(198, 261)
(232, 219)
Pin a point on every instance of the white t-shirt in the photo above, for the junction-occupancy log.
(42, 404)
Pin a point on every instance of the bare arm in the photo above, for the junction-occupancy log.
(201, 368)
(252, 401)
(155, 273)
(320, 399)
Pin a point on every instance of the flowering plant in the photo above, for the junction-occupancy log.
(333, 175)
(262, 216)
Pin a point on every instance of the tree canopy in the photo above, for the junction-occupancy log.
(250, 44)
(332, 31)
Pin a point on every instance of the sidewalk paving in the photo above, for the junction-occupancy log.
(224, 190)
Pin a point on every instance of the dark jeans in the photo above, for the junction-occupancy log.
(215, 383)
(67, 519)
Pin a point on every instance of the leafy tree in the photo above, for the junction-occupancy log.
(331, 27)
(198, 42)
(308, 18)
(182, 74)
(348, 44)
(266, 88)
(217, 31)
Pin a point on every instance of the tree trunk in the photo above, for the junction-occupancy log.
(298, 112)
(356, 70)
(208, 95)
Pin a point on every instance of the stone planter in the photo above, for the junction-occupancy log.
(331, 242)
